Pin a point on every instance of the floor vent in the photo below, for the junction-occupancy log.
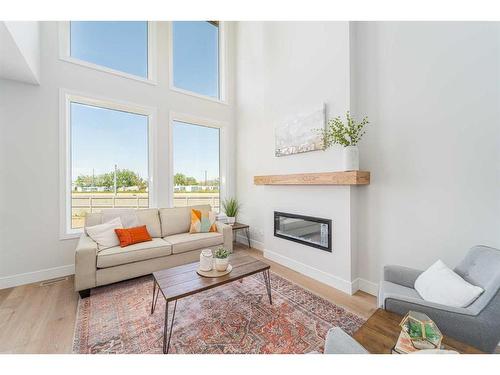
(53, 281)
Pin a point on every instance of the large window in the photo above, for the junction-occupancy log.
(120, 45)
(109, 160)
(196, 57)
(196, 165)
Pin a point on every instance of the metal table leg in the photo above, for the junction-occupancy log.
(267, 281)
(166, 334)
(248, 237)
(155, 298)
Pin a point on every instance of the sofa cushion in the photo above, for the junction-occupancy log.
(183, 242)
(178, 219)
(115, 256)
(145, 216)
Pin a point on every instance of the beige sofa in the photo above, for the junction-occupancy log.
(171, 246)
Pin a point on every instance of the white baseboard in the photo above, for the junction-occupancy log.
(333, 281)
(365, 286)
(36, 276)
(254, 243)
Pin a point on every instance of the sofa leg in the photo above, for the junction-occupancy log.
(84, 293)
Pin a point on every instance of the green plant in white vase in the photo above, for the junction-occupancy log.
(346, 134)
(231, 208)
(221, 256)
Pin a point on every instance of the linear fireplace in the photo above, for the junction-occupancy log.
(307, 230)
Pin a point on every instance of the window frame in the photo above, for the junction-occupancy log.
(65, 55)
(223, 150)
(222, 99)
(66, 97)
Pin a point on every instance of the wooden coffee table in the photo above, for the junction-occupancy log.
(183, 281)
(380, 333)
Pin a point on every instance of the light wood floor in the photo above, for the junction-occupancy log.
(41, 319)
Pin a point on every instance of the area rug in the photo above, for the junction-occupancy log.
(234, 318)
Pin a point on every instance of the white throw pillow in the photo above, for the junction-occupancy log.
(104, 234)
(442, 285)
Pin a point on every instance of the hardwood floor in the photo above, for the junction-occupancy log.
(39, 318)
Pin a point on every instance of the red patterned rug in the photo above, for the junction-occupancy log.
(234, 318)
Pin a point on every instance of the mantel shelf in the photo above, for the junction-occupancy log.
(324, 178)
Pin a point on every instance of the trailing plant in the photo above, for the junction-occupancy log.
(338, 133)
(231, 207)
(221, 253)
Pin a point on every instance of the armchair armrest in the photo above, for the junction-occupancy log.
(339, 342)
(401, 275)
(227, 232)
(85, 263)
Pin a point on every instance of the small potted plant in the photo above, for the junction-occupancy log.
(231, 208)
(221, 259)
(347, 135)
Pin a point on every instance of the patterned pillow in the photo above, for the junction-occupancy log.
(202, 222)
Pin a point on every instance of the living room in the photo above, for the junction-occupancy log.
(179, 185)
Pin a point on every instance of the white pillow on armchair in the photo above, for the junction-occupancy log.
(440, 284)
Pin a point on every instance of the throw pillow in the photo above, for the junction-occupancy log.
(104, 234)
(202, 222)
(134, 235)
(442, 285)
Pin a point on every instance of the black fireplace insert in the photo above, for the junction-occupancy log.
(307, 230)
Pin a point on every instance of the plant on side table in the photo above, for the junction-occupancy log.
(231, 208)
(221, 256)
(347, 135)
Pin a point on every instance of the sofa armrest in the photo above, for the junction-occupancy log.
(227, 232)
(401, 275)
(85, 263)
(339, 342)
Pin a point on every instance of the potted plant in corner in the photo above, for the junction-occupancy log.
(221, 259)
(231, 208)
(347, 135)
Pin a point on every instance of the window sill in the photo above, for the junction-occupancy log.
(71, 235)
(199, 96)
(104, 69)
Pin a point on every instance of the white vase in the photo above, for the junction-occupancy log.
(206, 260)
(231, 220)
(351, 158)
(221, 264)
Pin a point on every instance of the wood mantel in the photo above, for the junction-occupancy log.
(324, 178)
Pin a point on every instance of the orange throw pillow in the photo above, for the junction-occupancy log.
(133, 235)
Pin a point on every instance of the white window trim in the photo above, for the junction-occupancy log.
(66, 97)
(223, 150)
(223, 73)
(64, 55)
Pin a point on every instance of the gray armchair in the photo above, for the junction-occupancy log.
(477, 324)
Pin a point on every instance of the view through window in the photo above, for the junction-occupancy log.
(109, 160)
(196, 165)
(196, 57)
(119, 45)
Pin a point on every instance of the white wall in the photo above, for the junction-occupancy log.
(432, 91)
(29, 151)
(285, 69)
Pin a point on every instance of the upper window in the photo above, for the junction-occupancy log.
(109, 160)
(118, 45)
(196, 57)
